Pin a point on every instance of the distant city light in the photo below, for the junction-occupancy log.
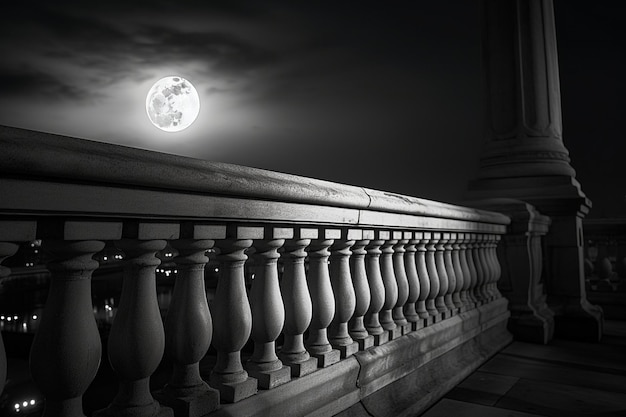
(34, 316)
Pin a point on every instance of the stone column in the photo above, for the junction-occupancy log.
(137, 339)
(233, 316)
(391, 286)
(322, 298)
(377, 290)
(268, 311)
(361, 291)
(343, 290)
(297, 302)
(189, 330)
(524, 155)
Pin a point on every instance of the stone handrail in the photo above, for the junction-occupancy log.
(361, 272)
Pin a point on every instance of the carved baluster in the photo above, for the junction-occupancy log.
(422, 275)
(298, 307)
(433, 276)
(442, 273)
(497, 267)
(233, 317)
(450, 272)
(494, 267)
(322, 299)
(410, 268)
(391, 286)
(361, 290)
(377, 291)
(482, 268)
(402, 282)
(345, 298)
(471, 293)
(467, 275)
(66, 351)
(455, 238)
(189, 328)
(268, 312)
(7, 249)
(137, 339)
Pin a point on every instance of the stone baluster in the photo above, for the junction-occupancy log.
(450, 272)
(440, 263)
(492, 245)
(455, 239)
(469, 253)
(322, 298)
(423, 277)
(377, 290)
(410, 268)
(297, 302)
(433, 276)
(361, 290)
(480, 271)
(402, 281)
(189, 327)
(66, 351)
(467, 275)
(137, 339)
(268, 311)
(7, 249)
(391, 286)
(485, 275)
(343, 290)
(233, 323)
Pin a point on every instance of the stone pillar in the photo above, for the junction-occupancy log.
(188, 331)
(524, 155)
(268, 311)
(343, 290)
(233, 316)
(297, 302)
(322, 298)
(361, 291)
(377, 290)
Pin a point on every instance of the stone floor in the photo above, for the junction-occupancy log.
(562, 379)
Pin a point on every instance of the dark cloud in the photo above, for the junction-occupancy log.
(28, 82)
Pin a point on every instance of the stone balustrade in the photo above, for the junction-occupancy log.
(360, 299)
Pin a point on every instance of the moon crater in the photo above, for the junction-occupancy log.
(172, 104)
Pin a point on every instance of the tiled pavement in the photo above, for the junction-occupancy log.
(562, 379)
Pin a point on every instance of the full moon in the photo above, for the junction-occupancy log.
(172, 104)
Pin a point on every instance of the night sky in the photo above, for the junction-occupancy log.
(382, 96)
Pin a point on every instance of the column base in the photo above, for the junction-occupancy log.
(189, 402)
(395, 333)
(271, 379)
(436, 318)
(419, 324)
(150, 410)
(234, 391)
(381, 339)
(365, 343)
(303, 368)
(347, 350)
(327, 358)
(405, 328)
(579, 320)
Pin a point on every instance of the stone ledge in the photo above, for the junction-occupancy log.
(402, 376)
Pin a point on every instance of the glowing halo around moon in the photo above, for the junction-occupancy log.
(172, 104)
